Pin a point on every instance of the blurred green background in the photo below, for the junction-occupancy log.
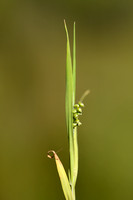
(32, 97)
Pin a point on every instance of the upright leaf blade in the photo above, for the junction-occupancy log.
(69, 82)
(74, 64)
(75, 139)
(69, 104)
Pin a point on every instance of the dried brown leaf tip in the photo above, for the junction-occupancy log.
(51, 154)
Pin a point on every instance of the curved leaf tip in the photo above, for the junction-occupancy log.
(62, 175)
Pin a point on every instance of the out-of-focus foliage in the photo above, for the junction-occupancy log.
(32, 90)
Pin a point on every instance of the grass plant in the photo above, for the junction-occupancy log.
(73, 112)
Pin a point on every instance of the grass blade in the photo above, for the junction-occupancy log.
(74, 64)
(69, 104)
(62, 174)
(75, 139)
(69, 82)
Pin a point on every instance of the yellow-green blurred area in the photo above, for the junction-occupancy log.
(32, 98)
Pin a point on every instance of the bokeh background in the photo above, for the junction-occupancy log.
(32, 97)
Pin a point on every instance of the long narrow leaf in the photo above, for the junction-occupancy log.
(74, 64)
(63, 177)
(69, 104)
(75, 139)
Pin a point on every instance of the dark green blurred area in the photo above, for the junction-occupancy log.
(32, 98)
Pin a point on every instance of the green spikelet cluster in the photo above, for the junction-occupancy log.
(77, 111)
